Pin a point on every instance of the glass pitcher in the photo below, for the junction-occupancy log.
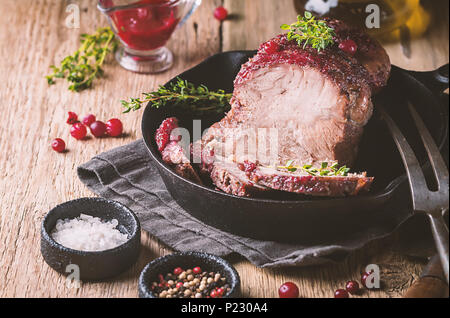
(143, 28)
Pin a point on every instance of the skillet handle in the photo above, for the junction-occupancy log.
(437, 80)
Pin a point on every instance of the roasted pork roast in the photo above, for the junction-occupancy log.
(298, 104)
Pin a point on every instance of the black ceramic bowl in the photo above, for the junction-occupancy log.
(207, 262)
(93, 265)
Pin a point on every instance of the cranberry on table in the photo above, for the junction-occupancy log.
(348, 46)
(341, 293)
(98, 128)
(88, 119)
(58, 145)
(197, 270)
(114, 127)
(352, 287)
(288, 290)
(220, 13)
(78, 131)
(72, 118)
(364, 277)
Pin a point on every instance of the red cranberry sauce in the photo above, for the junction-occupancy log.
(147, 27)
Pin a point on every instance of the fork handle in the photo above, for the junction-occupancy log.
(440, 234)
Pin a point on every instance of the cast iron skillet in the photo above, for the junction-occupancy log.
(285, 216)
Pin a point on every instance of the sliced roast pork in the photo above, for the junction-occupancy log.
(296, 103)
(228, 177)
(314, 185)
(172, 150)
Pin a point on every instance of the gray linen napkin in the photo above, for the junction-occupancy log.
(127, 174)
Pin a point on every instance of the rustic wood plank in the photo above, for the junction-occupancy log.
(254, 21)
(33, 178)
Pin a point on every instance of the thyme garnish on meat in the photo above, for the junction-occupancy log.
(183, 94)
(309, 31)
(85, 64)
(325, 169)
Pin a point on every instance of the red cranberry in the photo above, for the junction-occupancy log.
(352, 287)
(178, 271)
(98, 128)
(270, 47)
(340, 293)
(179, 285)
(197, 270)
(288, 290)
(72, 119)
(213, 294)
(114, 127)
(348, 46)
(220, 13)
(58, 145)
(88, 120)
(78, 131)
(364, 277)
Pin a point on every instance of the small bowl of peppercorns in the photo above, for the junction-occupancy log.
(189, 275)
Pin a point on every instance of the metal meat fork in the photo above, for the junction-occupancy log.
(433, 203)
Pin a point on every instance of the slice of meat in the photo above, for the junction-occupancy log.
(303, 183)
(172, 150)
(229, 178)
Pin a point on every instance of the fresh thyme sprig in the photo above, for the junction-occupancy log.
(183, 94)
(309, 31)
(326, 169)
(85, 64)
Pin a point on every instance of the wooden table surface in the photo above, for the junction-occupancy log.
(33, 178)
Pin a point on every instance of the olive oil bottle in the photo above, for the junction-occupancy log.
(391, 14)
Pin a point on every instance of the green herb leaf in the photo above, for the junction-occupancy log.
(309, 31)
(85, 64)
(325, 169)
(183, 94)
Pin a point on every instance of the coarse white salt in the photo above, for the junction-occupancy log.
(88, 233)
